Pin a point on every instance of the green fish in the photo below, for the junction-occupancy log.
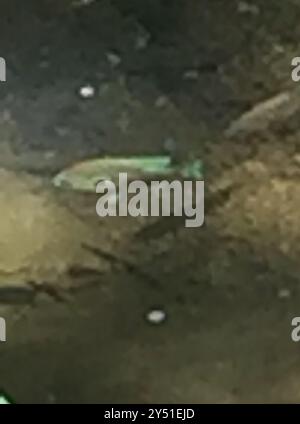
(85, 176)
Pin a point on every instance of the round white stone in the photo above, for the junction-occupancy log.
(156, 316)
(87, 91)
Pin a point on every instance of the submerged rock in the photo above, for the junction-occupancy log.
(40, 239)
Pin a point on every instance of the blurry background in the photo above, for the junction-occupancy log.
(161, 70)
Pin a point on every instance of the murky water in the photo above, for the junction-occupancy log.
(79, 333)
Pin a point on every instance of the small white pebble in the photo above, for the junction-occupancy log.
(284, 294)
(87, 91)
(156, 316)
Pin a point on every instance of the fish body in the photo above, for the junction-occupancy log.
(85, 176)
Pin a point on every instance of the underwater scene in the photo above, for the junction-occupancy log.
(149, 202)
